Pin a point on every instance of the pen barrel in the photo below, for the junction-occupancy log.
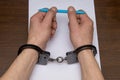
(61, 11)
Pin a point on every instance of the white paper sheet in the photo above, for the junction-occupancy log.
(61, 43)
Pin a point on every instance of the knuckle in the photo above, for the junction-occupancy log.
(90, 22)
(33, 18)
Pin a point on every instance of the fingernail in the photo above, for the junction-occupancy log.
(54, 9)
(71, 8)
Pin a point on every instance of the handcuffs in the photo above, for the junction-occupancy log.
(44, 56)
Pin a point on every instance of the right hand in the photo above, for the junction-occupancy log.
(81, 28)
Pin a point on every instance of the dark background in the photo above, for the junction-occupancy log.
(13, 33)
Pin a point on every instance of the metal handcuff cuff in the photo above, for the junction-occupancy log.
(44, 56)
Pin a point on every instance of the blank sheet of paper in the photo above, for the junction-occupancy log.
(60, 43)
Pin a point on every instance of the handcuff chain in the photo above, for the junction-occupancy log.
(58, 59)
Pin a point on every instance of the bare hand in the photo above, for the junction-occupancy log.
(42, 28)
(81, 28)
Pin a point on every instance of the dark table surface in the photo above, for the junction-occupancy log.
(13, 33)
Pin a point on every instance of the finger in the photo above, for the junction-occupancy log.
(84, 17)
(78, 18)
(50, 16)
(72, 16)
(54, 25)
(68, 23)
(78, 21)
(54, 19)
(53, 32)
(38, 17)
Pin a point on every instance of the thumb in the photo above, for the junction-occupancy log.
(50, 16)
(72, 17)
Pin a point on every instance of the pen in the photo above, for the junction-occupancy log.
(61, 11)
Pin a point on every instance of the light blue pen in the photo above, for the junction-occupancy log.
(61, 11)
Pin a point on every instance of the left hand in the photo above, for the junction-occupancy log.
(42, 28)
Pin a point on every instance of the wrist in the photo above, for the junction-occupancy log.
(85, 55)
(31, 52)
(39, 44)
(86, 52)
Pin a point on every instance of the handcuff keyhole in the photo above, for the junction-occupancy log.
(44, 57)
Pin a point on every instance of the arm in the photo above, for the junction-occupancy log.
(89, 66)
(81, 33)
(39, 34)
(22, 67)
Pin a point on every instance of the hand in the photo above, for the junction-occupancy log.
(81, 28)
(42, 27)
